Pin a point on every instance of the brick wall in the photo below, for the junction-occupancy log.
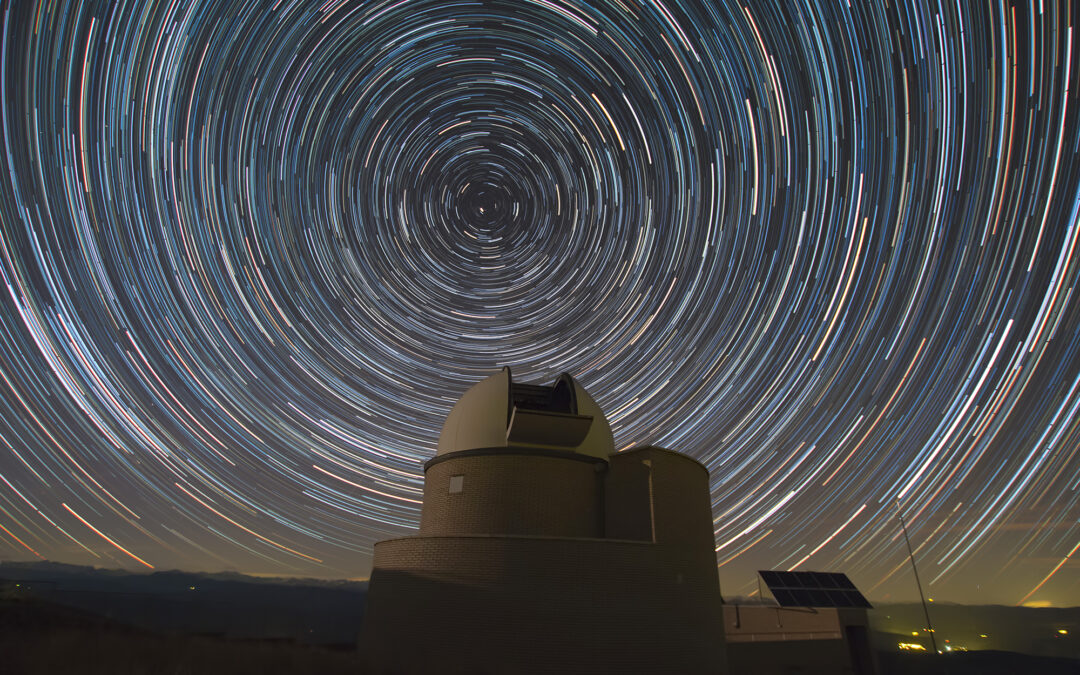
(681, 505)
(656, 493)
(627, 502)
(539, 605)
(513, 494)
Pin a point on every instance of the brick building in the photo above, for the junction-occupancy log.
(541, 550)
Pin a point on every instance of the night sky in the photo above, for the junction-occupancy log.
(252, 253)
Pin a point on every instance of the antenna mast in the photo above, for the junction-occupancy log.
(911, 556)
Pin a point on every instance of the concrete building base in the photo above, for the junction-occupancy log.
(538, 605)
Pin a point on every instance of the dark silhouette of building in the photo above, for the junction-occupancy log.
(542, 550)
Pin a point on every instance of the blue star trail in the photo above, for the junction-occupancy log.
(252, 253)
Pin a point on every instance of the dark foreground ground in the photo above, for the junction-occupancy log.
(38, 638)
(974, 663)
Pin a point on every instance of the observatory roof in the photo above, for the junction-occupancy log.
(500, 413)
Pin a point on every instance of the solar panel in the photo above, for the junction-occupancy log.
(813, 589)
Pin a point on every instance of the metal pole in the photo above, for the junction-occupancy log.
(911, 555)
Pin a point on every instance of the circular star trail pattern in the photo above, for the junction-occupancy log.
(253, 253)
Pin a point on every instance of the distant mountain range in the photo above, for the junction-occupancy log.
(164, 580)
(1042, 631)
(228, 604)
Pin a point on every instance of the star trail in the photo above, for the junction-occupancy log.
(252, 253)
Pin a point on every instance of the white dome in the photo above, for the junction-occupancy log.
(498, 413)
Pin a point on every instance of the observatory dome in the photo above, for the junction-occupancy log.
(500, 413)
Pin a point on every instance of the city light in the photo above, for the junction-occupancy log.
(911, 647)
